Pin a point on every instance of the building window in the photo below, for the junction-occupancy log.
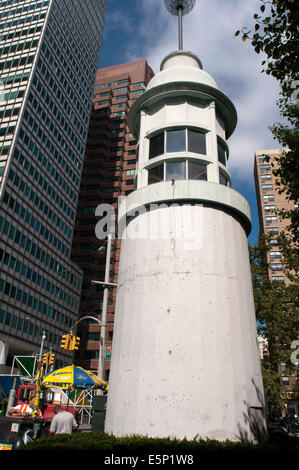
(265, 167)
(196, 142)
(176, 170)
(221, 153)
(176, 141)
(156, 174)
(270, 219)
(276, 266)
(197, 171)
(267, 187)
(223, 179)
(122, 89)
(266, 177)
(268, 197)
(120, 105)
(91, 354)
(121, 97)
(93, 336)
(156, 145)
(286, 381)
(275, 254)
(137, 92)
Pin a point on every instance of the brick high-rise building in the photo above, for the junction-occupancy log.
(109, 172)
(49, 56)
(268, 201)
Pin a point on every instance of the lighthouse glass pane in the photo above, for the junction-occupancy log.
(221, 154)
(155, 174)
(176, 140)
(156, 145)
(197, 142)
(197, 171)
(176, 170)
(223, 179)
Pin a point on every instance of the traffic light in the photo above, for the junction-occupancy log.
(65, 341)
(46, 358)
(74, 343)
(51, 358)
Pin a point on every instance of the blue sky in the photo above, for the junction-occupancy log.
(143, 29)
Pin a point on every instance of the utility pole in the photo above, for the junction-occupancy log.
(42, 345)
(106, 285)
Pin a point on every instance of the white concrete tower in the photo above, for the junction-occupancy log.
(185, 358)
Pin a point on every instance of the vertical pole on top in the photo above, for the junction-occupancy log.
(180, 20)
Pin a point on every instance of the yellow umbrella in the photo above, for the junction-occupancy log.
(72, 377)
(98, 381)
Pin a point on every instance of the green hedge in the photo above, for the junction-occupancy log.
(139, 445)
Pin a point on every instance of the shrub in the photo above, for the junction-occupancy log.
(140, 445)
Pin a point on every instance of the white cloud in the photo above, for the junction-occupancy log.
(209, 31)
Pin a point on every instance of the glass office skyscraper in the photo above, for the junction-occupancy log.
(49, 54)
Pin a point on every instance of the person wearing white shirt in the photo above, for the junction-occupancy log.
(63, 422)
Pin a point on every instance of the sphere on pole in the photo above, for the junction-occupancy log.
(173, 6)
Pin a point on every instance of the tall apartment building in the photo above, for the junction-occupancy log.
(109, 172)
(268, 201)
(49, 54)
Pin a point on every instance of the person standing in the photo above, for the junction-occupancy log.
(63, 422)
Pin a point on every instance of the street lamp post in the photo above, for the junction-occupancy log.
(106, 285)
(42, 345)
(89, 317)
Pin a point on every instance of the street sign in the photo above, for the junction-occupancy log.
(27, 365)
(108, 355)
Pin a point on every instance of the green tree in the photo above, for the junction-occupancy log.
(275, 35)
(277, 313)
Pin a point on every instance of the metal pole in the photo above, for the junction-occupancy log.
(42, 345)
(104, 311)
(11, 396)
(88, 317)
(180, 19)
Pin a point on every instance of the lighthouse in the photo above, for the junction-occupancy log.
(185, 357)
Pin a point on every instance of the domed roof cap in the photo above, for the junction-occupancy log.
(181, 74)
(181, 66)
